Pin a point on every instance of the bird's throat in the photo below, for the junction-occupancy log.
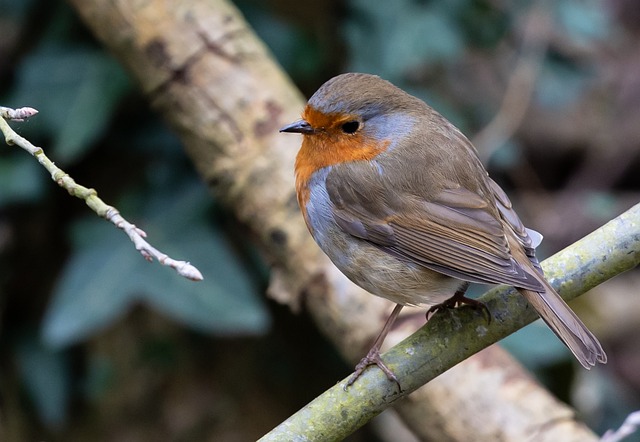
(319, 151)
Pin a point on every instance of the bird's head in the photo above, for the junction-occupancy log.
(352, 117)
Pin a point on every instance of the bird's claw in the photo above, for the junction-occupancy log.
(458, 300)
(372, 358)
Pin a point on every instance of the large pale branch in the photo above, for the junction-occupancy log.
(205, 71)
(212, 79)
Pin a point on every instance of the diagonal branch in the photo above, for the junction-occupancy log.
(90, 196)
(630, 426)
(451, 337)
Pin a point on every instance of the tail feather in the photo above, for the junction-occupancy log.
(549, 305)
(566, 325)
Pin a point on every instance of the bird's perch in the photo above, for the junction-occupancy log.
(207, 73)
(453, 336)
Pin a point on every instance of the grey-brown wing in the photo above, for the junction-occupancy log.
(455, 232)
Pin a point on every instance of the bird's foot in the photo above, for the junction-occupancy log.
(457, 300)
(372, 358)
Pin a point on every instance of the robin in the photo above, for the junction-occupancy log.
(398, 199)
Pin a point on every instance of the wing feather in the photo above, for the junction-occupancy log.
(454, 231)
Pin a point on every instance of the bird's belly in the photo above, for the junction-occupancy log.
(372, 268)
(384, 274)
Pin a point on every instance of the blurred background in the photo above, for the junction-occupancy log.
(98, 345)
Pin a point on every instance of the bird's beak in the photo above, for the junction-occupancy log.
(300, 127)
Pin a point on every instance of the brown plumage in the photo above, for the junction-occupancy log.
(397, 197)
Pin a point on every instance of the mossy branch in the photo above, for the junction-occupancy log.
(452, 336)
(90, 196)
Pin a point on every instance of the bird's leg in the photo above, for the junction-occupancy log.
(457, 299)
(373, 357)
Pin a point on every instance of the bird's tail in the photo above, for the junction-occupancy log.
(566, 325)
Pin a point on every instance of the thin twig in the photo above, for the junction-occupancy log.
(628, 427)
(90, 196)
(20, 114)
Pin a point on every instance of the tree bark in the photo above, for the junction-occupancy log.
(204, 70)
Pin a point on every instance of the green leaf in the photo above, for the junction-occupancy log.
(21, 179)
(536, 347)
(390, 40)
(226, 303)
(95, 288)
(560, 84)
(601, 205)
(100, 377)
(584, 21)
(507, 156)
(11, 11)
(293, 47)
(76, 91)
(46, 377)
(106, 275)
(483, 22)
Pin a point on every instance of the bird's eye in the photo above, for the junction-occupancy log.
(350, 127)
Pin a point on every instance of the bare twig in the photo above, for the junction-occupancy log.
(628, 427)
(20, 114)
(90, 196)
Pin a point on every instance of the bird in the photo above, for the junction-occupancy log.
(398, 199)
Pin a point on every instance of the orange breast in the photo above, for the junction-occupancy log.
(324, 149)
(328, 147)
